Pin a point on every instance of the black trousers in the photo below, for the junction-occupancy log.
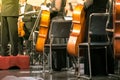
(9, 34)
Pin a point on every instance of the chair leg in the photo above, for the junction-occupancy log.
(50, 60)
(106, 60)
(118, 67)
(67, 63)
(89, 62)
(116, 75)
(43, 62)
(78, 66)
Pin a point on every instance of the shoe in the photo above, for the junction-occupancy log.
(14, 54)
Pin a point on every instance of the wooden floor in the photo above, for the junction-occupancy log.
(36, 73)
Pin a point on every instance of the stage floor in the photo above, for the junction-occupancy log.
(35, 73)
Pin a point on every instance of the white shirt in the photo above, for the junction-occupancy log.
(22, 8)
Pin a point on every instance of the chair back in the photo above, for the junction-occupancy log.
(60, 28)
(97, 27)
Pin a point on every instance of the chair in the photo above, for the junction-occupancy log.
(59, 29)
(95, 30)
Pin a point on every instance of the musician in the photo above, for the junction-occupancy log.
(57, 11)
(28, 24)
(9, 14)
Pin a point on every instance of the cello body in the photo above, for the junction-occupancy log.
(116, 25)
(43, 30)
(78, 28)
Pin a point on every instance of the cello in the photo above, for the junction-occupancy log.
(116, 24)
(43, 29)
(77, 34)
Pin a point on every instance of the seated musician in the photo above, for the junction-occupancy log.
(57, 11)
(28, 24)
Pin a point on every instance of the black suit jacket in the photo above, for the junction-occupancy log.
(27, 17)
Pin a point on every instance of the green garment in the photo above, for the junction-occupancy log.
(10, 8)
(9, 29)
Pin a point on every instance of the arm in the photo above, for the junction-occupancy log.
(86, 3)
(57, 5)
